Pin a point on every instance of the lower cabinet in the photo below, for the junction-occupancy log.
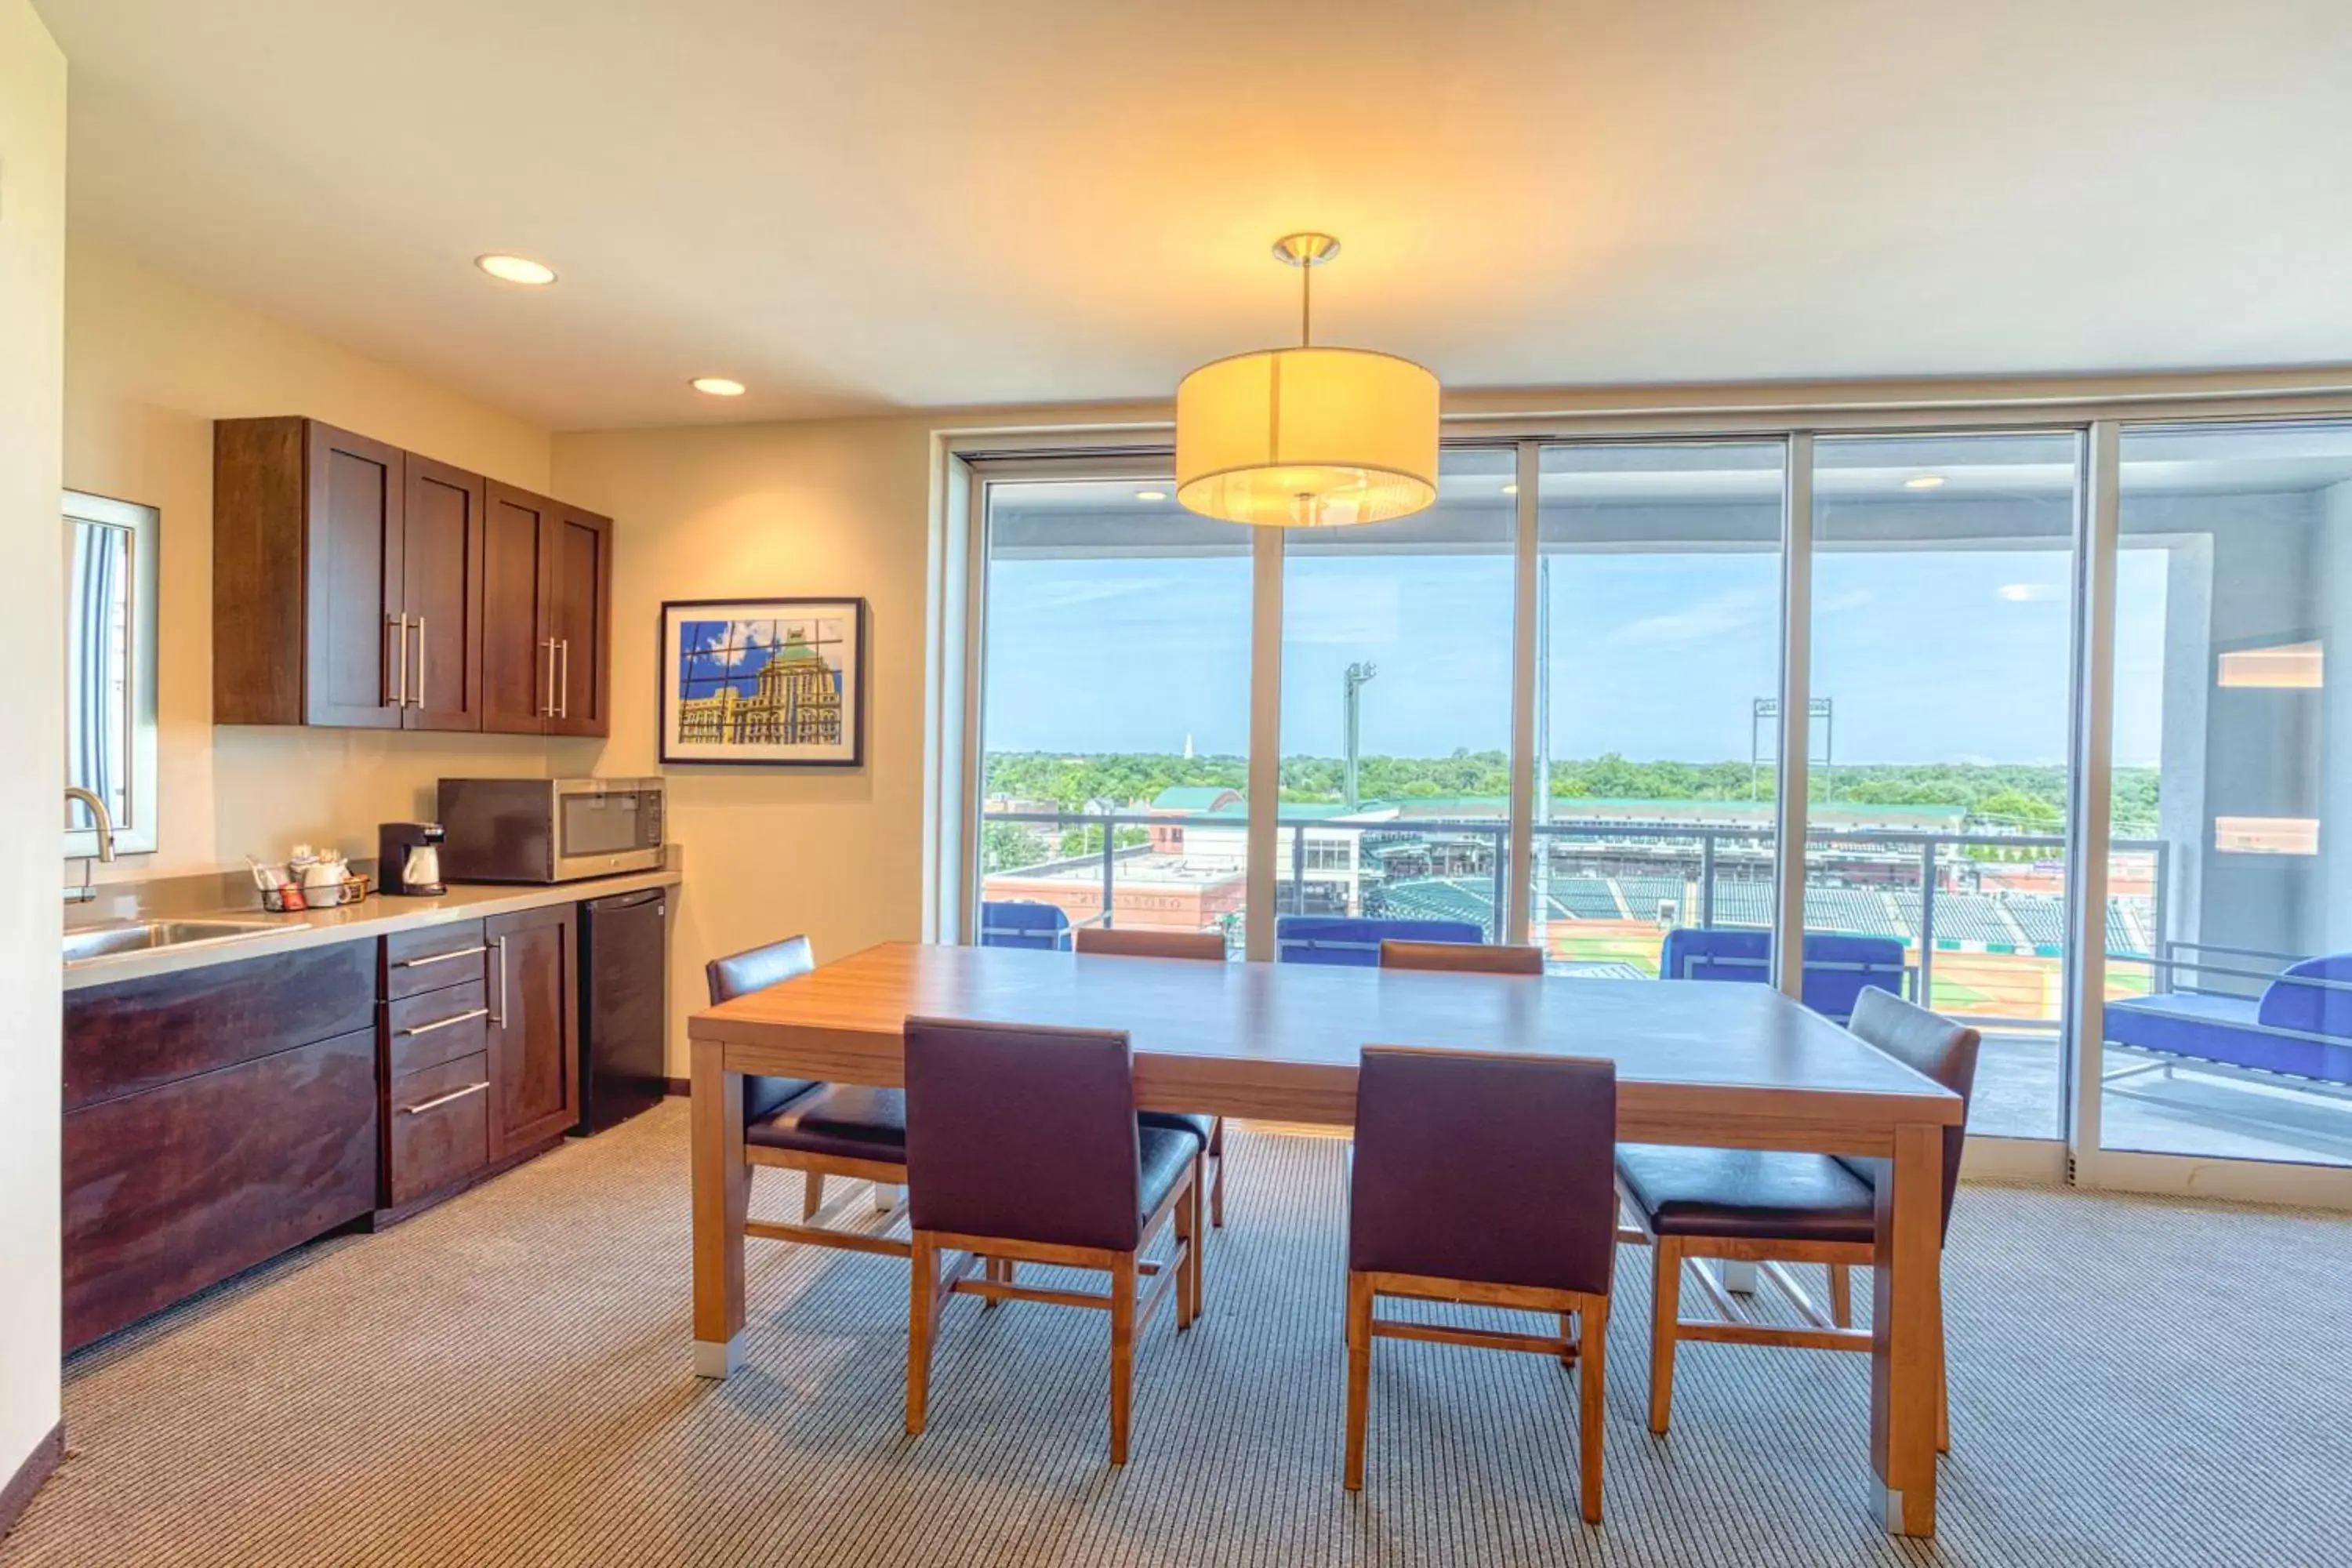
(534, 1027)
(178, 1187)
(439, 1130)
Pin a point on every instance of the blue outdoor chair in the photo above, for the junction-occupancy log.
(1345, 939)
(2301, 1024)
(1838, 968)
(1042, 928)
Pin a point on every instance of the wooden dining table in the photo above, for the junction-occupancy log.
(1722, 1065)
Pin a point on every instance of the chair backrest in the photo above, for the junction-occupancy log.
(1440, 1134)
(1122, 942)
(1839, 966)
(756, 969)
(1024, 1132)
(2305, 997)
(1349, 940)
(1020, 923)
(1478, 957)
(1932, 1046)
(740, 974)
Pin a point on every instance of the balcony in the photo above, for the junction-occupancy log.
(1982, 920)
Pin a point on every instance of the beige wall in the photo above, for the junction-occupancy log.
(32, 715)
(763, 510)
(150, 363)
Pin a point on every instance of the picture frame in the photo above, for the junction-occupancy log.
(768, 682)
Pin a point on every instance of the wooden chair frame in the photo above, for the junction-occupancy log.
(814, 1169)
(1181, 1270)
(1830, 1328)
(1585, 1348)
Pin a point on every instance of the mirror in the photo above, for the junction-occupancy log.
(110, 549)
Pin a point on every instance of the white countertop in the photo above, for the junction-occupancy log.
(378, 916)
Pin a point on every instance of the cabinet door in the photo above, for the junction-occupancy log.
(180, 1186)
(534, 1039)
(353, 526)
(441, 594)
(518, 664)
(580, 604)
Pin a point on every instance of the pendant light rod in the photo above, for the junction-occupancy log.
(1306, 252)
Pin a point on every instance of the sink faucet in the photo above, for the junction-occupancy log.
(105, 822)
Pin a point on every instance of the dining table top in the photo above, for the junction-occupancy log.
(1283, 1041)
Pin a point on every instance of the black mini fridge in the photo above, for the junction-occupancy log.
(624, 1006)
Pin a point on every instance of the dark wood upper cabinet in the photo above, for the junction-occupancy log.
(361, 586)
(534, 1027)
(441, 597)
(578, 618)
(548, 615)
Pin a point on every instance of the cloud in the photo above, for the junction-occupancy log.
(2028, 592)
(1708, 620)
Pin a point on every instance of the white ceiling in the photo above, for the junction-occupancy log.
(861, 204)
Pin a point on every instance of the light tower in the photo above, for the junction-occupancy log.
(1357, 674)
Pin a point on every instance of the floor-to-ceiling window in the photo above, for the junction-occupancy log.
(1943, 571)
(1114, 711)
(2230, 930)
(1396, 707)
(1658, 599)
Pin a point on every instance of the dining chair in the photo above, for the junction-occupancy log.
(1127, 942)
(1774, 1208)
(1438, 1135)
(817, 1129)
(1023, 1146)
(1464, 957)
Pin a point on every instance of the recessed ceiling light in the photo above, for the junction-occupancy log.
(718, 386)
(1512, 488)
(1152, 495)
(516, 268)
(1924, 482)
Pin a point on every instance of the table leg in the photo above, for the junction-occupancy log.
(1906, 1357)
(722, 1204)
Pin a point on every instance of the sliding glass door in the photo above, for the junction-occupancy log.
(1943, 571)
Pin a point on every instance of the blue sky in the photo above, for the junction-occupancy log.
(1948, 656)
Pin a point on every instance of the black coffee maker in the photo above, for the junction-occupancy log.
(408, 859)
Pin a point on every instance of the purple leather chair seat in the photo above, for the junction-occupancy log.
(1757, 1194)
(1198, 1124)
(844, 1120)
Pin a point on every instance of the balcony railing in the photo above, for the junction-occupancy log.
(1720, 874)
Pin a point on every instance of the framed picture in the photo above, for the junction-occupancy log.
(777, 682)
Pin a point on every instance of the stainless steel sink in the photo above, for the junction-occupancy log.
(143, 936)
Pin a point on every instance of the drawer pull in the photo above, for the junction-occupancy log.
(465, 1017)
(441, 1099)
(441, 957)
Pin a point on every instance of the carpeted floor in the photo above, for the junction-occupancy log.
(506, 1381)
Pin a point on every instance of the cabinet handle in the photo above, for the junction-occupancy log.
(420, 661)
(547, 707)
(498, 1018)
(563, 703)
(441, 957)
(439, 1101)
(396, 627)
(465, 1017)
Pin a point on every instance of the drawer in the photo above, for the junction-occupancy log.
(435, 1027)
(432, 959)
(440, 1127)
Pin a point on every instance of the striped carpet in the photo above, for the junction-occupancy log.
(504, 1381)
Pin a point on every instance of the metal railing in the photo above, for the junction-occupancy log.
(1696, 853)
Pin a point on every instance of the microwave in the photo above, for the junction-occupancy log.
(549, 830)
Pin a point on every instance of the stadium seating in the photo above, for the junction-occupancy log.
(1592, 899)
(1644, 894)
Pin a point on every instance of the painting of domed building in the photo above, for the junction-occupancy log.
(762, 681)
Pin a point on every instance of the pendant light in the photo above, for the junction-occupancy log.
(1306, 437)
